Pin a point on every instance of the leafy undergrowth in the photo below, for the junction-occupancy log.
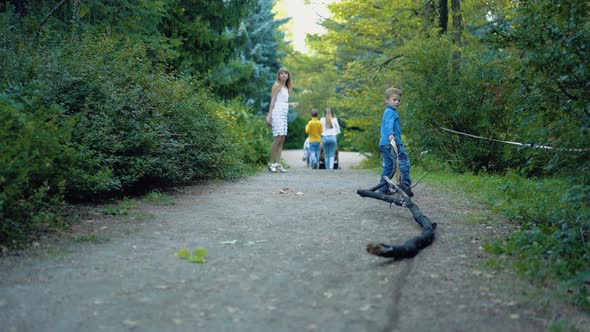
(551, 242)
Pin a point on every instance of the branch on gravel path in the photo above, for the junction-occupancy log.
(412, 246)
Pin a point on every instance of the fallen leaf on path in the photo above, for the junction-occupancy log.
(251, 243)
(196, 259)
(200, 252)
(131, 323)
(182, 253)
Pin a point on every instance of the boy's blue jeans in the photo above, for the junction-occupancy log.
(314, 154)
(388, 165)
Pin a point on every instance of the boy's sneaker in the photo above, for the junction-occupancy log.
(272, 168)
(407, 190)
(281, 169)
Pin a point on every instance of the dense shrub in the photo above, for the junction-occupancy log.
(33, 147)
(296, 134)
(94, 118)
(553, 240)
(148, 126)
(249, 134)
(470, 98)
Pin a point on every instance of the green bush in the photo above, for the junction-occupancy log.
(470, 97)
(552, 242)
(249, 133)
(296, 134)
(94, 119)
(32, 149)
(147, 126)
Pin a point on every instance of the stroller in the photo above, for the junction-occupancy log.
(305, 157)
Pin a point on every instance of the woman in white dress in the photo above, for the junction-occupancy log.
(277, 117)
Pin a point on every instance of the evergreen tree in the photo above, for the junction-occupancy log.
(204, 31)
(261, 50)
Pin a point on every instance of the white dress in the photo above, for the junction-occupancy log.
(280, 112)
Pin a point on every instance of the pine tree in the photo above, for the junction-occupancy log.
(251, 72)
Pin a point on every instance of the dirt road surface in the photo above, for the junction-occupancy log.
(286, 253)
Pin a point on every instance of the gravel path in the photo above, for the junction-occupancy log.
(286, 253)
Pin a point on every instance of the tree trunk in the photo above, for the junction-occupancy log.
(457, 21)
(457, 40)
(443, 19)
(19, 7)
(45, 20)
(429, 14)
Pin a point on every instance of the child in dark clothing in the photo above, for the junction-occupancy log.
(391, 134)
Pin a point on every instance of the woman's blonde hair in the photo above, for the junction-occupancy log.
(328, 115)
(288, 83)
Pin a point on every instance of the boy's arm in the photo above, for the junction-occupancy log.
(387, 125)
(397, 131)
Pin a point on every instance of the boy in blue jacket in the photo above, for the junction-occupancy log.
(391, 133)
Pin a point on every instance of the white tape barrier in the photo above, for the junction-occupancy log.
(535, 146)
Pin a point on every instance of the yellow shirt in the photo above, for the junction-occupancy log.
(314, 129)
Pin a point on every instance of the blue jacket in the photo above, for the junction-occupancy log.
(390, 124)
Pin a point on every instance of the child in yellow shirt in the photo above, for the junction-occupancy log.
(314, 130)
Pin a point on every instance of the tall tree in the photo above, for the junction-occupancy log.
(550, 40)
(251, 72)
(443, 15)
(204, 32)
(457, 33)
(457, 21)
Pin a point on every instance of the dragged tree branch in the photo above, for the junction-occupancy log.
(412, 246)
